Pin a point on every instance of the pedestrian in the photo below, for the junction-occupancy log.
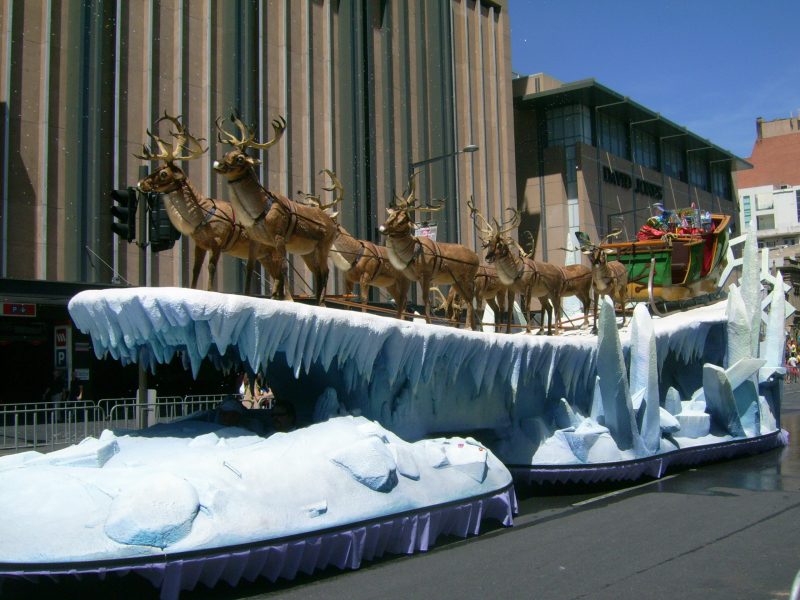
(75, 387)
(246, 392)
(793, 374)
(56, 394)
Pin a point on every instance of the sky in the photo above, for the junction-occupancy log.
(712, 66)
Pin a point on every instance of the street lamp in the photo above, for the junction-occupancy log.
(421, 163)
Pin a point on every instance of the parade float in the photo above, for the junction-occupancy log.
(406, 430)
(196, 502)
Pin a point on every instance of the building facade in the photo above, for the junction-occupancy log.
(769, 198)
(367, 88)
(591, 159)
(769, 194)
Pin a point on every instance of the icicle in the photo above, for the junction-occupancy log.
(751, 287)
(644, 375)
(776, 326)
(738, 328)
(617, 407)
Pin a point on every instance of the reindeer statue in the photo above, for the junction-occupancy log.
(489, 289)
(531, 278)
(577, 282)
(210, 223)
(609, 277)
(428, 262)
(270, 218)
(364, 262)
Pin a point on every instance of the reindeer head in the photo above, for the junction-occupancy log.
(399, 221)
(185, 147)
(597, 255)
(401, 216)
(494, 235)
(236, 163)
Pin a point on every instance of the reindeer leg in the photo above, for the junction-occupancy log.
(597, 298)
(199, 257)
(363, 290)
(426, 294)
(212, 269)
(280, 255)
(509, 309)
(402, 296)
(324, 272)
(251, 262)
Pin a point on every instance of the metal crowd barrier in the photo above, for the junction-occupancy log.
(45, 426)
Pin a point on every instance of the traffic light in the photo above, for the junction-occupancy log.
(161, 233)
(124, 212)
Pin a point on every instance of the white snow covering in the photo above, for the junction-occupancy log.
(196, 485)
(525, 396)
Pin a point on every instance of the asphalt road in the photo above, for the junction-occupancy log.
(725, 530)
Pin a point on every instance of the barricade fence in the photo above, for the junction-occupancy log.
(45, 426)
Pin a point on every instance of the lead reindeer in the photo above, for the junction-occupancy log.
(210, 223)
(609, 277)
(428, 262)
(271, 218)
(363, 262)
(520, 273)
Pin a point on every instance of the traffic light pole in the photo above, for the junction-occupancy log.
(141, 399)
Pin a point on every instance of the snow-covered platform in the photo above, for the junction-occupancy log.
(197, 502)
(691, 379)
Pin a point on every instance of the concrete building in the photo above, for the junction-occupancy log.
(770, 192)
(769, 195)
(591, 159)
(368, 90)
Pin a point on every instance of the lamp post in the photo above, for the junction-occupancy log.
(413, 166)
(421, 163)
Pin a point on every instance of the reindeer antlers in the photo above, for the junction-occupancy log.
(484, 227)
(407, 203)
(247, 137)
(183, 139)
(336, 186)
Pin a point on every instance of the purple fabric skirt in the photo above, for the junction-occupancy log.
(343, 547)
(652, 466)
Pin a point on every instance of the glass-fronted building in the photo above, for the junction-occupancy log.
(591, 159)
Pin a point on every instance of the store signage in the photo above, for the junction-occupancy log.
(428, 231)
(62, 342)
(15, 309)
(623, 180)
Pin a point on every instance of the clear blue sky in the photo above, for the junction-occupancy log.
(712, 66)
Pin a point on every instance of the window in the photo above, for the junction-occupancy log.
(566, 126)
(764, 222)
(764, 202)
(721, 180)
(797, 203)
(698, 175)
(612, 135)
(746, 208)
(674, 165)
(645, 149)
(788, 241)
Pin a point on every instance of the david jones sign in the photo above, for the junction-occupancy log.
(624, 180)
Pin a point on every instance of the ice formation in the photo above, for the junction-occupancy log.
(420, 380)
(661, 384)
(194, 485)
